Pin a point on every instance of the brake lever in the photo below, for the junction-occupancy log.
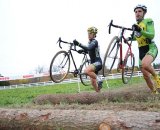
(110, 24)
(59, 39)
(59, 42)
(74, 46)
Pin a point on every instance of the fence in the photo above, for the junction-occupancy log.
(73, 80)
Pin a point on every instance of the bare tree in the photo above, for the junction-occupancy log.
(40, 69)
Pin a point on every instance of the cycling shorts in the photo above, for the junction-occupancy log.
(97, 65)
(150, 49)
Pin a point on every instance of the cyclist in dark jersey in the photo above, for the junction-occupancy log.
(96, 62)
(144, 34)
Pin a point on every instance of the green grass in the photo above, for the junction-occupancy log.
(22, 96)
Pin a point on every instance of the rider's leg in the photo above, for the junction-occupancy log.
(98, 67)
(90, 71)
(149, 58)
(146, 65)
(94, 84)
(147, 69)
(147, 78)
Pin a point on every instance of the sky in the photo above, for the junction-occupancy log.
(29, 29)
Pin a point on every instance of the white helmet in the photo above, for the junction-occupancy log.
(143, 7)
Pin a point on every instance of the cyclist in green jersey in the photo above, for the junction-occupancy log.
(144, 34)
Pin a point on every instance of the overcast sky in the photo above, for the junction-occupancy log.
(29, 29)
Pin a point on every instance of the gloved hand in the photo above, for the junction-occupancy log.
(80, 51)
(127, 39)
(75, 42)
(136, 27)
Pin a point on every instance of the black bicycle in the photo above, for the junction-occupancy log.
(125, 64)
(60, 64)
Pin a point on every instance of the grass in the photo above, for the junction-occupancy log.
(22, 96)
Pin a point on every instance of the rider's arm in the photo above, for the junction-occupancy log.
(149, 33)
(90, 46)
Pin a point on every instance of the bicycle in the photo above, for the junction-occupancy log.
(60, 64)
(126, 64)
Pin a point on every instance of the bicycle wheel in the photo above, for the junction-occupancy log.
(85, 79)
(59, 66)
(127, 71)
(110, 56)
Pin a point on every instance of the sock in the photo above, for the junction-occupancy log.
(98, 79)
(156, 76)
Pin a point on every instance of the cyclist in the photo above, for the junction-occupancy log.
(144, 34)
(96, 63)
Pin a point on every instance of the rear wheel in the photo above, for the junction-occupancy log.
(127, 71)
(59, 66)
(110, 56)
(85, 79)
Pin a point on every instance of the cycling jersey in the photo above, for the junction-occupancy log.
(146, 35)
(93, 51)
(145, 39)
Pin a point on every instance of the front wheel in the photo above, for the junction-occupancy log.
(85, 79)
(59, 66)
(110, 56)
(127, 71)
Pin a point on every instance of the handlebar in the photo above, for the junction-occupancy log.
(70, 43)
(123, 28)
(60, 40)
(117, 26)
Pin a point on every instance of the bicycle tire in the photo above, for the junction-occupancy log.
(85, 79)
(59, 66)
(128, 69)
(110, 56)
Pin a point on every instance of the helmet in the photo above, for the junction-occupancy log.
(93, 30)
(143, 7)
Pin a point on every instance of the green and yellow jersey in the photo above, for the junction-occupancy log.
(146, 35)
(145, 40)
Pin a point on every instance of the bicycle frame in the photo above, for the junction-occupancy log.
(122, 38)
(129, 50)
(60, 65)
(74, 63)
(71, 55)
(114, 53)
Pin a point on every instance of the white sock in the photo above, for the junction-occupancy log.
(98, 79)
